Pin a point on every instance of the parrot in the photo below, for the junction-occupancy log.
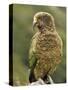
(45, 49)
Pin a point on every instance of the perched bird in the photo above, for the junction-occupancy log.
(46, 47)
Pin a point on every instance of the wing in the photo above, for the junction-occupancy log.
(32, 58)
(32, 53)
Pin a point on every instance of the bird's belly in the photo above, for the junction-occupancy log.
(48, 56)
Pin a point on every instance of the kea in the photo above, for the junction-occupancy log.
(45, 49)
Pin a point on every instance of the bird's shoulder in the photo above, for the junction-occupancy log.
(34, 41)
(33, 44)
(36, 35)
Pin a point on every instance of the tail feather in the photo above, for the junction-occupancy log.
(32, 77)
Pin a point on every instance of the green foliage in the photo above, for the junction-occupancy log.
(22, 34)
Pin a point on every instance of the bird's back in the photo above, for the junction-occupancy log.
(48, 48)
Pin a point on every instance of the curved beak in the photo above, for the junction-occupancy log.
(34, 24)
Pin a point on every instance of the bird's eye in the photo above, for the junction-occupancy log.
(39, 17)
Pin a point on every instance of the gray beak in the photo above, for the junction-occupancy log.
(34, 24)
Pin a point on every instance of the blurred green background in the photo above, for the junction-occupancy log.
(22, 34)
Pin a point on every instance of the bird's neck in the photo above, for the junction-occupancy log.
(48, 29)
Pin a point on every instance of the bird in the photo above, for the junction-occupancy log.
(45, 49)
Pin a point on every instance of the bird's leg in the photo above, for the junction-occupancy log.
(49, 80)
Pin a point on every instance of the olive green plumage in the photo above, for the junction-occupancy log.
(46, 47)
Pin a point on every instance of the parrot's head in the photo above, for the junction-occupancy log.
(43, 21)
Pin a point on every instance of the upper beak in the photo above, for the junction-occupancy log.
(34, 24)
